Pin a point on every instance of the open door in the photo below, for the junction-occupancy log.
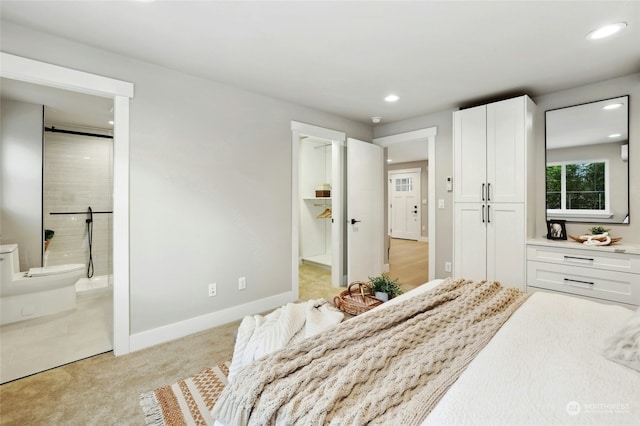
(365, 210)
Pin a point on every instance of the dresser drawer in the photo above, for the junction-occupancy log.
(607, 285)
(621, 262)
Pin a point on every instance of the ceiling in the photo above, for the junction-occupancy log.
(344, 57)
(588, 124)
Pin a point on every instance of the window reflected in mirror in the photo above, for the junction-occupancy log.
(587, 168)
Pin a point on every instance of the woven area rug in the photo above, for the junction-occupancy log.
(187, 402)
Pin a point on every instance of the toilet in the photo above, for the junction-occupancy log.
(36, 292)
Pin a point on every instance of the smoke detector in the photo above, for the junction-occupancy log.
(376, 120)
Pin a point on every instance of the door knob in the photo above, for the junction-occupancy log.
(353, 221)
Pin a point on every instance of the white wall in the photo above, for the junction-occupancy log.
(210, 182)
(21, 161)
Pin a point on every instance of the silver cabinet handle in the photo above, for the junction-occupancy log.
(483, 213)
(483, 192)
(488, 214)
(488, 192)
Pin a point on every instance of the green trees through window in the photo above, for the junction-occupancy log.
(584, 186)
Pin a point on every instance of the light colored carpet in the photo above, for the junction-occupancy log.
(105, 390)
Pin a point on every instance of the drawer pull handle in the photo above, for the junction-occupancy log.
(569, 281)
(588, 259)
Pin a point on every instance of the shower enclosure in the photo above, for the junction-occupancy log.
(77, 203)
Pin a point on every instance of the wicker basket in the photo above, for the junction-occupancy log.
(356, 299)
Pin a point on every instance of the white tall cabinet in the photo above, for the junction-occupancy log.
(493, 203)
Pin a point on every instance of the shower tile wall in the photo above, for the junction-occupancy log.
(78, 173)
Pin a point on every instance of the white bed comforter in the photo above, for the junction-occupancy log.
(545, 367)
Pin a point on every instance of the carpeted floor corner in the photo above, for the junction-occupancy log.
(105, 390)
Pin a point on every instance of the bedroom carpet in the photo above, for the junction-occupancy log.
(105, 390)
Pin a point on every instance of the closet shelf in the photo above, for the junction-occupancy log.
(317, 198)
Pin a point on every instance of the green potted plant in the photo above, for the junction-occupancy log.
(384, 287)
(597, 230)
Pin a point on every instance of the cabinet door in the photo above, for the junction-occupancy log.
(469, 245)
(506, 242)
(506, 151)
(469, 154)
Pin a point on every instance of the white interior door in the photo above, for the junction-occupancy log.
(365, 218)
(404, 205)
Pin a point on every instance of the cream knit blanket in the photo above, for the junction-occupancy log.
(390, 366)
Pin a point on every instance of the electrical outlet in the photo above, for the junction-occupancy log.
(447, 266)
(212, 290)
(441, 204)
(242, 283)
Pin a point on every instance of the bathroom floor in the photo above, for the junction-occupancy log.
(32, 346)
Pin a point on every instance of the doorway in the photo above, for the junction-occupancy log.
(317, 216)
(404, 207)
(47, 75)
(408, 253)
(74, 170)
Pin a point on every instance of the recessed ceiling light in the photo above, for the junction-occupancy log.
(389, 160)
(615, 135)
(392, 98)
(606, 31)
(111, 122)
(612, 106)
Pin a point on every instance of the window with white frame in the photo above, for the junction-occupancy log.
(404, 184)
(578, 188)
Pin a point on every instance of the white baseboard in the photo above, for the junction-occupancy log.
(184, 328)
(424, 239)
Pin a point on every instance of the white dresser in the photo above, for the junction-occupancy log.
(609, 274)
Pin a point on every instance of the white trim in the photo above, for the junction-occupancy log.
(180, 329)
(120, 255)
(318, 132)
(299, 130)
(415, 135)
(400, 171)
(32, 71)
(429, 134)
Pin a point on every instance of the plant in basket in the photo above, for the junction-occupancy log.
(384, 287)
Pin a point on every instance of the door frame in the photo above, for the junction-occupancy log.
(338, 139)
(44, 74)
(390, 173)
(428, 135)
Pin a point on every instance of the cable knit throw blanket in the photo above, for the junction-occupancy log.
(390, 366)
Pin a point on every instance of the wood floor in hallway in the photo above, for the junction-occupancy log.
(408, 261)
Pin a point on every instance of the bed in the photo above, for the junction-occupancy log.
(543, 364)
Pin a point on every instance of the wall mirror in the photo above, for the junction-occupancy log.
(587, 162)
